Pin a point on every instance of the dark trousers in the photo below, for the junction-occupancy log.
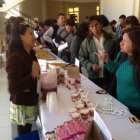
(24, 129)
(99, 82)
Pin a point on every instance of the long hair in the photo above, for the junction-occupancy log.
(132, 20)
(134, 35)
(82, 30)
(94, 17)
(12, 20)
(104, 20)
(16, 30)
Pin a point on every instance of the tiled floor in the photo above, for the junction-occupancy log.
(5, 125)
(8, 131)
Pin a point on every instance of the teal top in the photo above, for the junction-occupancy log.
(127, 92)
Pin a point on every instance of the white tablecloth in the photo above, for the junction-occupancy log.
(119, 126)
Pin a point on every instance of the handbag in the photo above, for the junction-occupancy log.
(112, 86)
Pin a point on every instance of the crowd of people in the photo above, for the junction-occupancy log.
(120, 44)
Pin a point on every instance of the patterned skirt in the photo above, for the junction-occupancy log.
(22, 115)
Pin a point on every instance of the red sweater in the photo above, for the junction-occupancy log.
(22, 87)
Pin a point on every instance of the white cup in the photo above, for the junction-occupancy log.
(102, 53)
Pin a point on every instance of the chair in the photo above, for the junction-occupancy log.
(30, 136)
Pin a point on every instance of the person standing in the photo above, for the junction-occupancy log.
(127, 67)
(22, 71)
(96, 41)
(119, 26)
(51, 33)
(77, 40)
(65, 34)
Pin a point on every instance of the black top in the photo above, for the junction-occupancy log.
(55, 29)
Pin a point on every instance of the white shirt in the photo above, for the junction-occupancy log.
(99, 46)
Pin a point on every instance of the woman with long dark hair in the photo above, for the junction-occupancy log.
(77, 40)
(22, 69)
(127, 67)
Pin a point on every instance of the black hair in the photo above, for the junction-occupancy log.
(50, 22)
(20, 19)
(122, 16)
(47, 22)
(87, 17)
(131, 20)
(16, 30)
(113, 22)
(94, 17)
(36, 21)
(82, 30)
(41, 24)
(53, 22)
(104, 20)
(70, 22)
(12, 19)
(60, 14)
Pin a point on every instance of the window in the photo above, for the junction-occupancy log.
(73, 13)
(97, 10)
(13, 12)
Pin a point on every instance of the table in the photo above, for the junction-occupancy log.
(119, 126)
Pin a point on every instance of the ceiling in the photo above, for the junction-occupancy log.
(80, 1)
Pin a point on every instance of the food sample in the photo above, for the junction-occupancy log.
(41, 51)
(83, 97)
(78, 102)
(78, 85)
(45, 56)
(80, 106)
(86, 101)
(74, 97)
(72, 110)
(101, 92)
(73, 91)
(73, 80)
(89, 105)
(81, 90)
(75, 115)
(91, 111)
(84, 114)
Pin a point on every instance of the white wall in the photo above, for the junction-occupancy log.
(114, 8)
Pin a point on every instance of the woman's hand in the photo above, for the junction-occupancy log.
(62, 42)
(35, 69)
(68, 50)
(105, 58)
(96, 67)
